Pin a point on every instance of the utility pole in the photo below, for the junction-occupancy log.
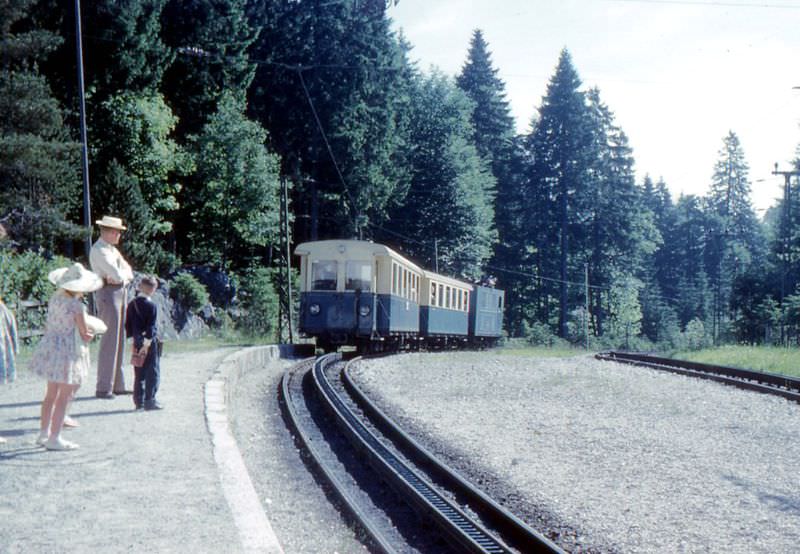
(285, 294)
(787, 175)
(586, 306)
(87, 210)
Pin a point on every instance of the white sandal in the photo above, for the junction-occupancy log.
(60, 444)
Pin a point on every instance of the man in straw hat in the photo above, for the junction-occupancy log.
(111, 300)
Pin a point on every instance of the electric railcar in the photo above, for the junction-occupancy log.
(367, 295)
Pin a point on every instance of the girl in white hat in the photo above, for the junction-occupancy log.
(62, 356)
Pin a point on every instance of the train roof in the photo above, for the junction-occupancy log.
(350, 245)
(447, 280)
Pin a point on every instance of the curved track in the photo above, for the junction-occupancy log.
(468, 519)
(768, 383)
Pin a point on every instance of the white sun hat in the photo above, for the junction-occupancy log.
(111, 222)
(75, 278)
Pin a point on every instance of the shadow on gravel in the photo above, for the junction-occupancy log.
(778, 502)
(81, 415)
(21, 404)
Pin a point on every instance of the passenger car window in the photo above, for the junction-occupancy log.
(358, 276)
(323, 274)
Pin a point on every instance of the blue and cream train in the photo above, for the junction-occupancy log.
(367, 295)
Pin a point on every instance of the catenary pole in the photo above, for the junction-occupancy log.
(285, 195)
(586, 307)
(87, 209)
(787, 175)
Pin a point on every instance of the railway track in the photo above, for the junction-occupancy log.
(768, 383)
(452, 509)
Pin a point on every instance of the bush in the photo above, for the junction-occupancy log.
(695, 337)
(24, 277)
(259, 302)
(189, 292)
(540, 334)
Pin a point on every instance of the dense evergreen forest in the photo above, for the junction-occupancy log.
(200, 111)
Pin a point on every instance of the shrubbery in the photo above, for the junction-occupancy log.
(24, 277)
(259, 302)
(187, 291)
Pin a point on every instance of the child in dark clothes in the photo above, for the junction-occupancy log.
(141, 324)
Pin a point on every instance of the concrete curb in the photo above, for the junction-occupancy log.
(255, 531)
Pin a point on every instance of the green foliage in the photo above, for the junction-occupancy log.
(539, 334)
(24, 277)
(139, 181)
(561, 149)
(235, 207)
(219, 35)
(259, 301)
(625, 313)
(695, 336)
(450, 197)
(334, 95)
(39, 182)
(188, 291)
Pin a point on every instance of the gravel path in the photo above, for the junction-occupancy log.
(140, 482)
(614, 458)
(302, 516)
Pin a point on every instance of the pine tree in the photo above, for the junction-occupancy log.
(495, 141)
(622, 232)
(449, 202)
(332, 90)
(40, 188)
(662, 271)
(134, 163)
(735, 236)
(561, 148)
(693, 293)
(213, 39)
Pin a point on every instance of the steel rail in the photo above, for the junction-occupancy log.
(339, 488)
(763, 382)
(515, 532)
(466, 533)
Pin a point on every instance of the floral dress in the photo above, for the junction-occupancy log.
(62, 356)
(8, 344)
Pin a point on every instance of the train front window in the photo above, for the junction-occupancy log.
(358, 276)
(323, 274)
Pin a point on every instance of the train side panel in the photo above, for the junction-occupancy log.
(486, 312)
(397, 315)
(444, 309)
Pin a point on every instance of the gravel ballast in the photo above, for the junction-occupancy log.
(611, 457)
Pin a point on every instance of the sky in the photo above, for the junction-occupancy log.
(678, 75)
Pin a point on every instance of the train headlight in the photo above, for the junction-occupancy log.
(364, 311)
(313, 309)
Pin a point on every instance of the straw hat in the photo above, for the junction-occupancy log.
(75, 278)
(95, 325)
(111, 222)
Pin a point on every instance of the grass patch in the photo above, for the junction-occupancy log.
(785, 361)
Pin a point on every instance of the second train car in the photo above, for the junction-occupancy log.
(367, 295)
